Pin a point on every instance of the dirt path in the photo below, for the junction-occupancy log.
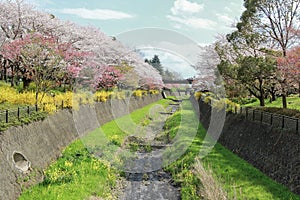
(144, 176)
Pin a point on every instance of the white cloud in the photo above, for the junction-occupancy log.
(98, 14)
(194, 22)
(227, 9)
(184, 6)
(225, 19)
(186, 13)
(204, 44)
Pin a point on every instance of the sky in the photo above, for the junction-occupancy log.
(199, 20)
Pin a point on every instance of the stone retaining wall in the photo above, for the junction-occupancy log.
(40, 143)
(273, 151)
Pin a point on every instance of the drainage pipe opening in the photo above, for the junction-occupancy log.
(21, 162)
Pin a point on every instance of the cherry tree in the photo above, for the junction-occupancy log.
(43, 60)
(288, 69)
(109, 79)
(275, 22)
(206, 67)
(108, 51)
(203, 83)
(18, 18)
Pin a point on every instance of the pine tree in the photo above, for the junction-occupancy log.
(155, 62)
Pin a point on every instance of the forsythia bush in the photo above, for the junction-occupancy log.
(8, 94)
(198, 95)
(51, 103)
(154, 91)
(118, 95)
(225, 103)
(140, 93)
(208, 99)
(220, 104)
(102, 96)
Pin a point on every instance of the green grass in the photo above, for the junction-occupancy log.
(293, 102)
(117, 130)
(237, 177)
(76, 175)
(7, 105)
(79, 174)
(14, 121)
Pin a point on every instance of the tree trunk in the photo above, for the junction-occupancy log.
(4, 72)
(273, 94)
(299, 88)
(26, 82)
(284, 103)
(12, 82)
(262, 93)
(2, 66)
(262, 100)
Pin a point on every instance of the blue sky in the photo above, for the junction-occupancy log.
(200, 20)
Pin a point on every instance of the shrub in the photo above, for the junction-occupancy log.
(139, 93)
(102, 95)
(154, 91)
(198, 95)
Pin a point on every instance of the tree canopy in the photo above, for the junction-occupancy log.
(87, 48)
(255, 54)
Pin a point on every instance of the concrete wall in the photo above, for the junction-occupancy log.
(273, 151)
(42, 142)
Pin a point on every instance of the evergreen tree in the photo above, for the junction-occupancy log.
(155, 62)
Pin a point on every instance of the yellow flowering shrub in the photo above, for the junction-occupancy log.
(225, 103)
(119, 95)
(198, 95)
(137, 93)
(144, 92)
(7, 94)
(140, 93)
(231, 106)
(50, 108)
(208, 99)
(103, 96)
(154, 91)
(50, 103)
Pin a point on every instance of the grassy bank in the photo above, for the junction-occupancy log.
(239, 179)
(78, 174)
(293, 109)
(75, 175)
(293, 102)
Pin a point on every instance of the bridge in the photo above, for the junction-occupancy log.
(182, 81)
